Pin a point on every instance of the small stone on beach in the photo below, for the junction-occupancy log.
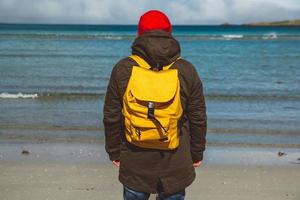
(88, 189)
(26, 152)
(281, 153)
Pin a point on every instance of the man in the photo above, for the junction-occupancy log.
(144, 170)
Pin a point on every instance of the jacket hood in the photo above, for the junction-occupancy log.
(158, 48)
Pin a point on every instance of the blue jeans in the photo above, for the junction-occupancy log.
(130, 194)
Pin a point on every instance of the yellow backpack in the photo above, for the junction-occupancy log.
(152, 106)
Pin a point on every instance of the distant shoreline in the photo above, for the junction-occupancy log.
(274, 23)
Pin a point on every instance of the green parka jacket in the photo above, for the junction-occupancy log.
(146, 170)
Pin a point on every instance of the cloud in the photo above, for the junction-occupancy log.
(128, 11)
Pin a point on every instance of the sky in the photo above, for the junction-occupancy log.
(129, 11)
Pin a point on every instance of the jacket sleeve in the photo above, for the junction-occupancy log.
(196, 112)
(112, 112)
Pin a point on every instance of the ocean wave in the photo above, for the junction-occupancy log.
(270, 36)
(230, 37)
(52, 95)
(129, 36)
(49, 95)
(5, 95)
(58, 36)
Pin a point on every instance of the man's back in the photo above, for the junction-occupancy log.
(151, 170)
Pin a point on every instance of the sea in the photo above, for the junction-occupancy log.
(53, 80)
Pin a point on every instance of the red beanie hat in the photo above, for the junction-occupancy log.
(154, 20)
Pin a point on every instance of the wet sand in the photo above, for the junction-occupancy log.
(82, 171)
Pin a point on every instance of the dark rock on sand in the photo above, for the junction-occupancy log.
(25, 152)
(281, 153)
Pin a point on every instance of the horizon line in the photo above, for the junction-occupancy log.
(92, 24)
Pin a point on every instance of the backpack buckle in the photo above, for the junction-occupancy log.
(150, 114)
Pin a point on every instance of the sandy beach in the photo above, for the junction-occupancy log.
(82, 171)
(90, 181)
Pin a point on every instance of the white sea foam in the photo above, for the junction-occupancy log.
(270, 36)
(113, 37)
(230, 37)
(19, 95)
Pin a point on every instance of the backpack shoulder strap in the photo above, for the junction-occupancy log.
(142, 63)
(170, 65)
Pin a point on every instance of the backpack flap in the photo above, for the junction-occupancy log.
(148, 85)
